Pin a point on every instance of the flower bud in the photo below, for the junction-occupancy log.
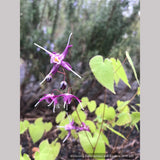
(49, 78)
(63, 85)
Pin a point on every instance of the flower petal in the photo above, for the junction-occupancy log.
(64, 53)
(66, 65)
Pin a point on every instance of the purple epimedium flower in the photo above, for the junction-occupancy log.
(71, 126)
(83, 127)
(58, 60)
(67, 98)
(68, 127)
(50, 99)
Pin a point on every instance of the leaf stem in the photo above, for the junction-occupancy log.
(105, 98)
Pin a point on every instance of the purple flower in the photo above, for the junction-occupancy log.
(58, 60)
(49, 98)
(67, 98)
(68, 128)
(83, 127)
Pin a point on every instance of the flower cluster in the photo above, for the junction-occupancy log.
(58, 60)
(70, 126)
(51, 98)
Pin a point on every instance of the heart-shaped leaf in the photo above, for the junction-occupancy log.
(123, 118)
(90, 144)
(109, 113)
(135, 118)
(103, 71)
(91, 105)
(60, 116)
(47, 126)
(91, 125)
(23, 126)
(36, 132)
(48, 151)
(82, 117)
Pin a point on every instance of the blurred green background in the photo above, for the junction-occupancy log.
(104, 27)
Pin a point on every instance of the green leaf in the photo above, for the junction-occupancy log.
(103, 71)
(123, 118)
(39, 121)
(105, 139)
(82, 116)
(138, 91)
(62, 134)
(47, 151)
(109, 113)
(100, 109)
(85, 142)
(91, 125)
(122, 105)
(99, 146)
(85, 99)
(36, 130)
(84, 103)
(116, 132)
(23, 126)
(91, 105)
(47, 126)
(132, 65)
(74, 134)
(135, 116)
(63, 131)
(119, 72)
(87, 147)
(60, 116)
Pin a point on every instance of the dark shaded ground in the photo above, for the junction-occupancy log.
(118, 146)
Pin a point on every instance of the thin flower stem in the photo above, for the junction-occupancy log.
(57, 91)
(84, 131)
(64, 74)
(105, 98)
(60, 72)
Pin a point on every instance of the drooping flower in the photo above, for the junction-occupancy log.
(63, 85)
(67, 98)
(68, 127)
(58, 60)
(50, 99)
(83, 127)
